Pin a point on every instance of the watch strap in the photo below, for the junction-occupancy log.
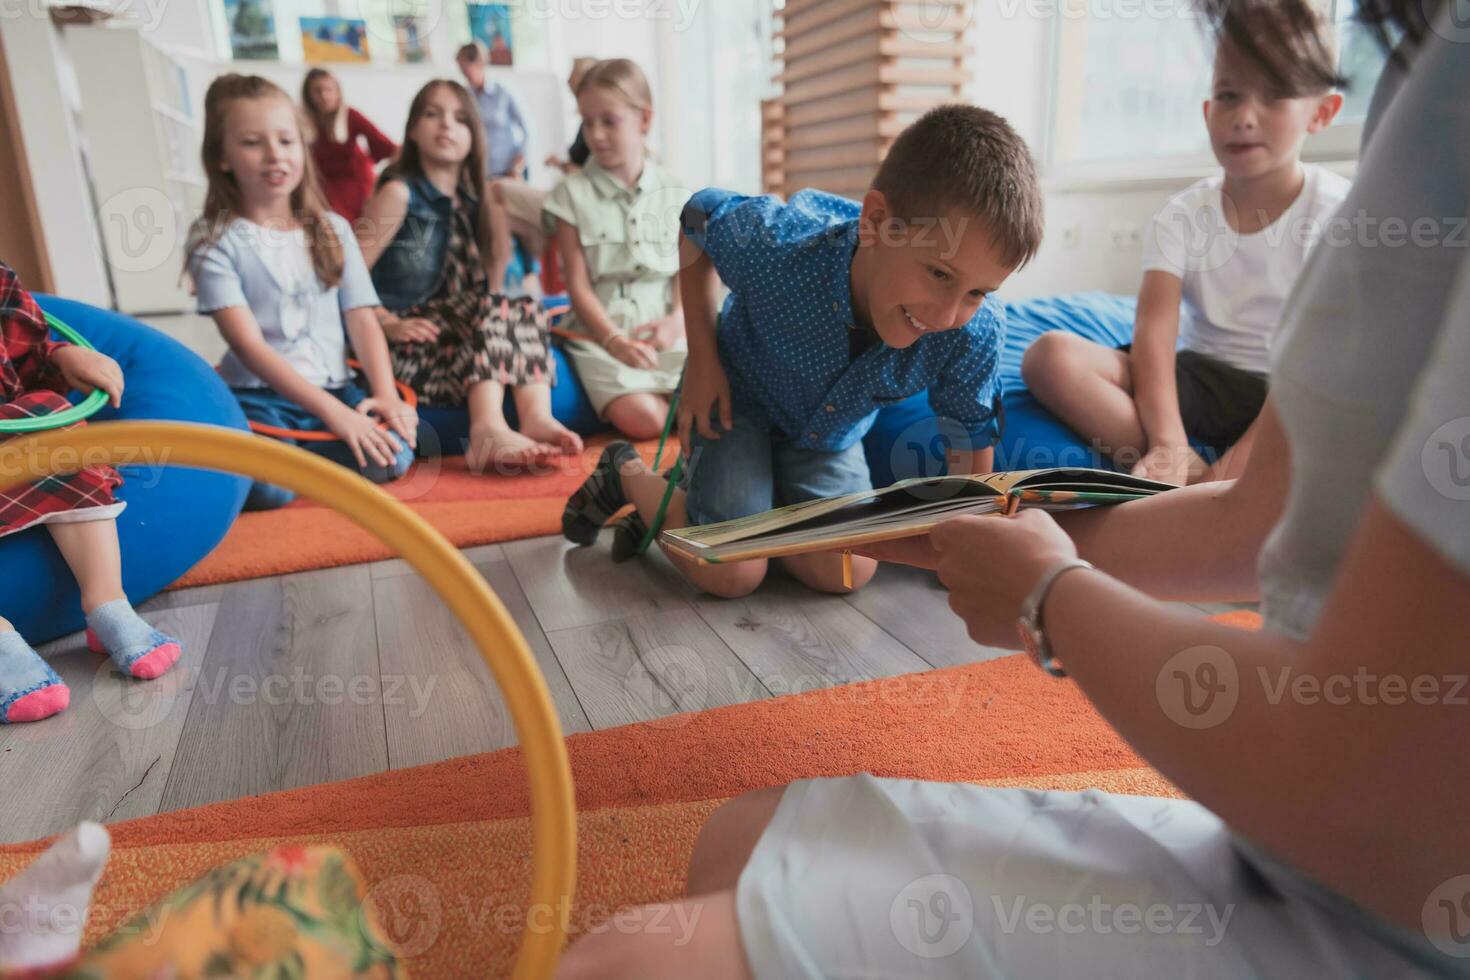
(1031, 614)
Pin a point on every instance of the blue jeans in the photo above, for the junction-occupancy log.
(265, 406)
(754, 467)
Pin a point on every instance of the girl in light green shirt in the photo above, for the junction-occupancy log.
(617, 227)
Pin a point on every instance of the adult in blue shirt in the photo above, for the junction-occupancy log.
(505, 126)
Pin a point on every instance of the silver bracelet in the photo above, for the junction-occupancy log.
(1033, 632)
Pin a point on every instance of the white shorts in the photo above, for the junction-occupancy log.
(877, 878)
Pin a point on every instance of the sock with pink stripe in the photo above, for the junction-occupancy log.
(135, 647)
(29, 689)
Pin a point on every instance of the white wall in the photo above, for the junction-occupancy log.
(44, 97)
(1093, 233)
(1094, 230)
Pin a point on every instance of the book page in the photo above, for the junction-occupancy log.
(900, 497)
(801, 541)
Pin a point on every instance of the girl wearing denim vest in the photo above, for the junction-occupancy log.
(437, 248)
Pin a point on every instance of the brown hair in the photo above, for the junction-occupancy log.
(621, 76)
(408, 164)
(1398, 25)
(222, 199)
(472, 52)
(967, 158)
(1305, 60)
(315, 121)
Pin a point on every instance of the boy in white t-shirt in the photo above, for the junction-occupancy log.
(1219, 262)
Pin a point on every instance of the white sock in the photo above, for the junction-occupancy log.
(43, 910)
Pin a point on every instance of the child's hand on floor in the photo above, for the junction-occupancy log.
(634, 353)
(400, 416)
(363, 437)
(87, 370)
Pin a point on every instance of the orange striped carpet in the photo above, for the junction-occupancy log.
(467, 508)
(454, 836)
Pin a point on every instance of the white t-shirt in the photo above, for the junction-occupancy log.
(1236, 285)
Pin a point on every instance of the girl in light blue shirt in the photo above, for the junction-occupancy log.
(280, 275)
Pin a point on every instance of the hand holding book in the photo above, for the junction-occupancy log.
(988, 594)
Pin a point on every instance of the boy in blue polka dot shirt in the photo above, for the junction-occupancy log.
(835, 309)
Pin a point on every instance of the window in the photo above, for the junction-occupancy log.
(727, 81)
(1131, 76)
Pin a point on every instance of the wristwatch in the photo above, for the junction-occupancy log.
(1033, 637)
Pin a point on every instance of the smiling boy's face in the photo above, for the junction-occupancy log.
(923, 276)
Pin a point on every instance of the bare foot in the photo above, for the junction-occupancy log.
(502, 448)
(548, 430)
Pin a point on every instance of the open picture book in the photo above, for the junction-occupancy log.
(907, 508)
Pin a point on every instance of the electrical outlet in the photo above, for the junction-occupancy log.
(1125, 235)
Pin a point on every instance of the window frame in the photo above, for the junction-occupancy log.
(1337, 145)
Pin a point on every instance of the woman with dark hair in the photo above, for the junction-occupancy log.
(344, 144)
(1327, 833)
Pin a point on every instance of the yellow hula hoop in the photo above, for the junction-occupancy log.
(553, 810)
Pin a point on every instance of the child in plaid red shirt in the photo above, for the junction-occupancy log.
(78, 510)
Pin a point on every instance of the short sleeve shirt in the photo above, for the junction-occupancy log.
(1371, 373)
(1235, 286)
(629, 236)
(269, 271)
(785, 327)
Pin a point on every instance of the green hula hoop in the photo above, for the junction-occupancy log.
(77, 413)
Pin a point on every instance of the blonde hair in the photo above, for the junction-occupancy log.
(580, 67)
(314, 118)
(222, 199)
(621, 76)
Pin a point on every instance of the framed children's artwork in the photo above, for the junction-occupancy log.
(412, 37)
(252, 26)
(333, 39)
(490, 25)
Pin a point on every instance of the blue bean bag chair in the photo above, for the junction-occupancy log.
(907, 440)
(174, 517)
(446, 431)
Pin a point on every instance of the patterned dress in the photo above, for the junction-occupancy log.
(483, 335)
(31, 387)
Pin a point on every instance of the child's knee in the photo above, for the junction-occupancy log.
(824, 572)
(639, 416)
(396, 470)
(268, 496)
(1048, 356)
(731, 581)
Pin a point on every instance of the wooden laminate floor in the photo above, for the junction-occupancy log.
(326, 675)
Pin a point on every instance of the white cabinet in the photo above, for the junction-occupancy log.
(141, 141)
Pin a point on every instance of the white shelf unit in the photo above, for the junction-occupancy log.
(141, 140)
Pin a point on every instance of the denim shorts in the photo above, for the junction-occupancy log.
(754, 467)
